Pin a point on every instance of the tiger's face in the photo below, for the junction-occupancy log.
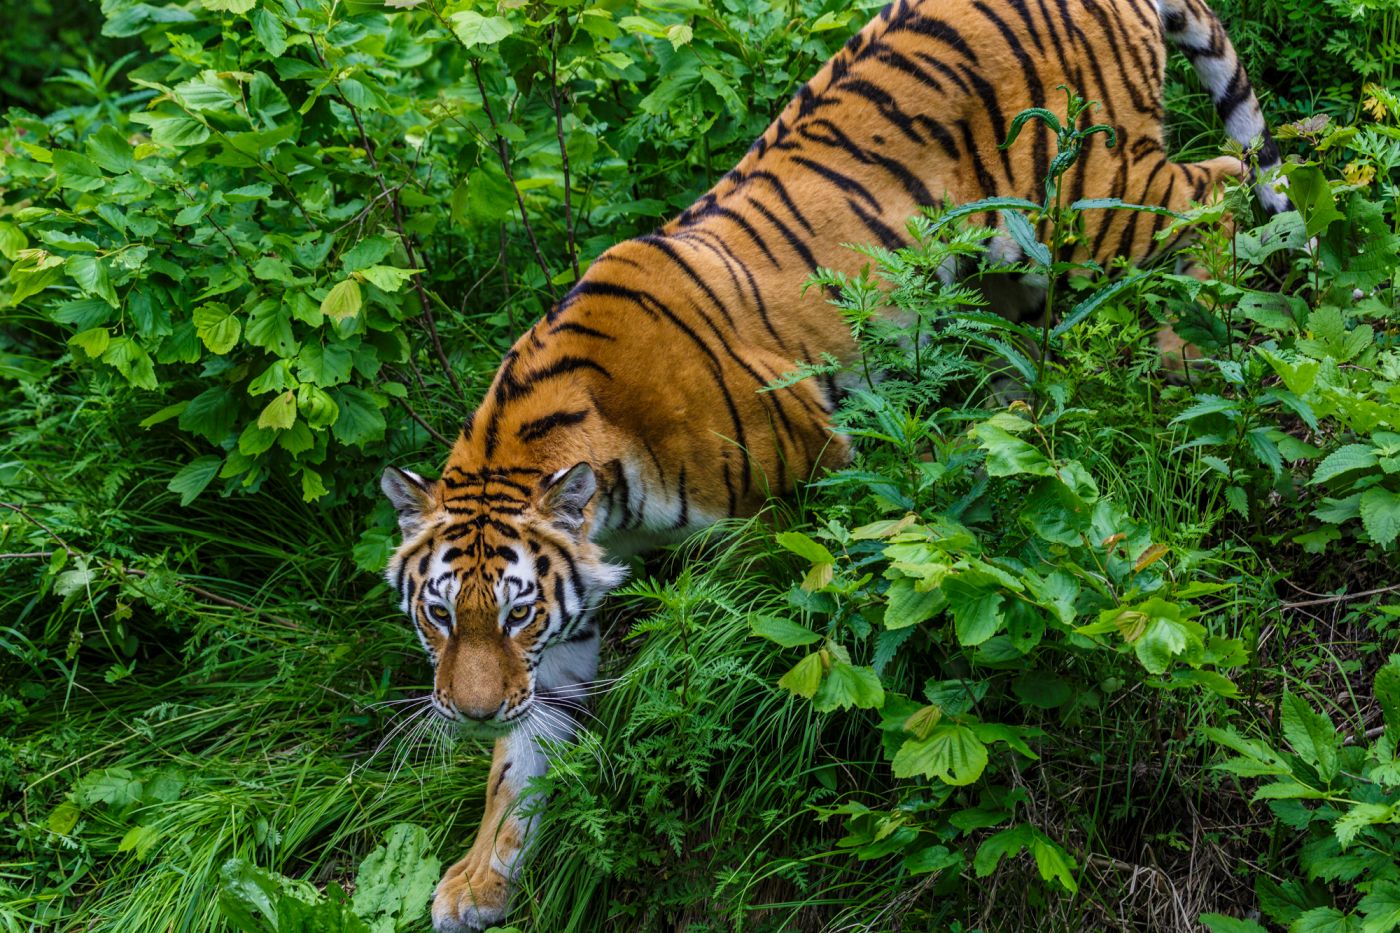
(500, 582)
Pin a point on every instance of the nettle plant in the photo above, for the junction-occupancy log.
(969, 578)
(289, 217)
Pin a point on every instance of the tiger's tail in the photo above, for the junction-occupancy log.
(1195, 29)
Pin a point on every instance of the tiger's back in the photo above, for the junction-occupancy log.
(670, 337)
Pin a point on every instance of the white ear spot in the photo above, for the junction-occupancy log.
(566, 495)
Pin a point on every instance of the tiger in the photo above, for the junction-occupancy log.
(630, 415)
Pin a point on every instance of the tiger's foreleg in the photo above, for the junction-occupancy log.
(475, 892)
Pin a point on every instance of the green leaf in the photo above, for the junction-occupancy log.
(280, 413)
(93, 342)
(1380, 908)
(342, 301)
(325, 366)
(1387, 691)
(90, 272)
(270, 32)
(217, 326)
(1024, 234)
(179, 130)
(360, 421)
(109, 149)
(388, 278)
(847, 685)
(77, 172)
(1310, 192)
(1311, 735)
(804, 547)
(805, 676)
(783, 631)
(1325, 920)
(132, 361)
(270, 327)
(1008, 455)
(194, 477)
(1207, 404)
(1097, 299)
(1380, 514)
(474, 30)
(952, 753)
(977, 614)
(905, 605)
(396, 880)
(1344, 460)
(211, 414)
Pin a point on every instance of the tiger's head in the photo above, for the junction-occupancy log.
(500, 581)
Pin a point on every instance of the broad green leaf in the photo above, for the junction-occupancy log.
(475, 30)
(1310, 192)
(93, 342)
(848, 685)
(217, 326)
(396, 880)
(906, 606)
(76, 171)
(952, 753)
(1024, 234)
(804, 547)
(178, 130)
(325, 365)
(1380, 908)
(109, 149)
(1344, 460)
(132, 361)
(388, 278)
(360, 421)
(280, 413)
(977, 615)
(194, 477)
(805, 676)
(90, 272)
(270, 32)
(1311, 734)
(1380, 514)
(342, 301)
(1325, 920)
(785, 632)
(1387, 691)
(1008, 455)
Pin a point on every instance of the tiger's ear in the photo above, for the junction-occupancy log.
(566, 494)
(410, 494)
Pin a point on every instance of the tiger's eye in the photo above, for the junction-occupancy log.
(518, 614)
(439, 613)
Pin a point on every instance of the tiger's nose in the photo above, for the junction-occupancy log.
(478, 713)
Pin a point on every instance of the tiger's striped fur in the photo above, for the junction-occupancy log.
(631, 414)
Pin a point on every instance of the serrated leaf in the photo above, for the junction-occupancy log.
(280, 413)
(848, 685)
(1380, 514)
(1311, 735)
(270, 32)
(217, 326)
(952, 753)
(1344, 460)
(396, 880)
(93, 342)
(342, 301)
(1219, 923)
(474, 30)
(388, 278)
(805, 676)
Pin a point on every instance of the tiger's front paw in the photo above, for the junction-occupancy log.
(471, 896)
